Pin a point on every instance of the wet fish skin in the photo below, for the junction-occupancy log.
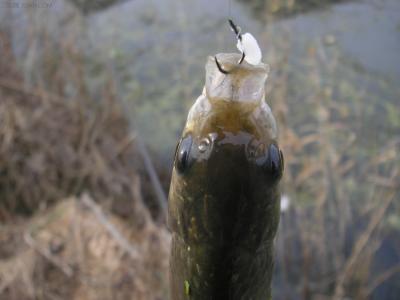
(224, 197)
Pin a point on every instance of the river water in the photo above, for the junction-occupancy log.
(157, 49)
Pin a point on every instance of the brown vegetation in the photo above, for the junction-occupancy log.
(76, 251)
(54, 247)
(51, 147)
(328, 239)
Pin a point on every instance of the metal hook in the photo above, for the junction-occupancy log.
(237, 30)
(219, 66)
(242, 58)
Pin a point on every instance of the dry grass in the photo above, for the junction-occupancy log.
(70, 253)
(51, 148)
(328, 239)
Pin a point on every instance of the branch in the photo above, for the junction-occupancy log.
(382, 278)
(361, 243)
(161, 197)
(67, 270)
(112, 230)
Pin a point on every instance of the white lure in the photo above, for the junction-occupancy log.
(249, 46)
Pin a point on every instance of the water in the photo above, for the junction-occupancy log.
(161, 48)
(367, 32)
(157, 49)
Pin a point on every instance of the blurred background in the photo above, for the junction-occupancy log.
(93, 98)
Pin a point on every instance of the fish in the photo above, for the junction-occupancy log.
(224, 196)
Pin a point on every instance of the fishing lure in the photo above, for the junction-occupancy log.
(224, 197)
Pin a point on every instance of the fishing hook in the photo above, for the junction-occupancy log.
(238, 31)
(219, 66)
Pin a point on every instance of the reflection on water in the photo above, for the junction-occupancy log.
(92, 6)
(262, 9)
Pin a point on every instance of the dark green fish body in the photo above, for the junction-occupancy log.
(224, 197)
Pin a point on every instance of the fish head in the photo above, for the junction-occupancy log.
(227, 163)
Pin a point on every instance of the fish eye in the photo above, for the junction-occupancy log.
(182, 156)
(272, 162)
(282, 160)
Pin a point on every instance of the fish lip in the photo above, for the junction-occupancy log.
(229, 62)
(232, 82)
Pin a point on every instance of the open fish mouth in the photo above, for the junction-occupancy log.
(224, 198)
